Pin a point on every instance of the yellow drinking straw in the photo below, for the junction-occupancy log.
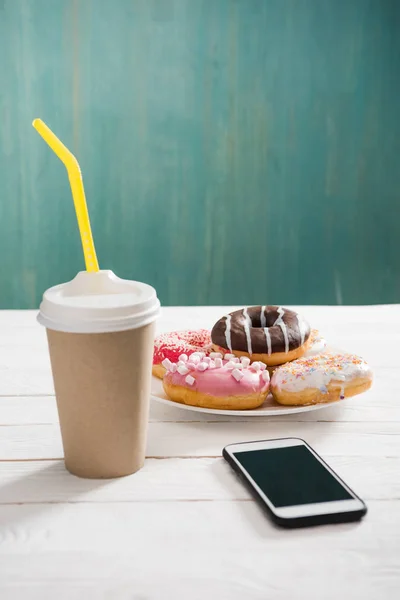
(78, 193)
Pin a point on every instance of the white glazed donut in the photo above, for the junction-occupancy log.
(322, 378)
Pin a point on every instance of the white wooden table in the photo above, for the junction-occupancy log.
(184, 527)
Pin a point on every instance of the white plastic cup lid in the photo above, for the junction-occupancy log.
(98, 303)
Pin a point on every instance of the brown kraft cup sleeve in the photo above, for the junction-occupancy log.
(102, 383)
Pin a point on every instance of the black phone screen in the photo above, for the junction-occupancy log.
(292, 476)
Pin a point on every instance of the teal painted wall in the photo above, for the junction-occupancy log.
(233, 151)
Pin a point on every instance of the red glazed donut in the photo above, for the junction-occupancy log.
(173, 344)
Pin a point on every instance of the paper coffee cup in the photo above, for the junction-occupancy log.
(100, 331)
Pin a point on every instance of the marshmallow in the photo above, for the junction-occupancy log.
(262, 366)
(235, 359)
(265, 376)
(229, 356)
(190, 380)
(237, 374)
(230, 365)
(183, 357)
(191, 365)
(182, 369)
(167, 364)
(195, 358)
(207, 359)
(202, 366)
(218, 362)
(245, 361)
(215, 355)
(211, 365)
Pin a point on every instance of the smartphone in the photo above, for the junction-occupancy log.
(293, 483)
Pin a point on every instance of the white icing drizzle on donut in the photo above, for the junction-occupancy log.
(268, 339)
(302, 328)
(266, 331)
(279, 321)
(262, 317)
(247, 325)
(228, 332)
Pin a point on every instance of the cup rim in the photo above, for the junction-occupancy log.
(83, 305)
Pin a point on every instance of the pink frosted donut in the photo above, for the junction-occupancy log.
(174, 343)
(216, 382)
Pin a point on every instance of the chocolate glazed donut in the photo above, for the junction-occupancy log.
(272, 334)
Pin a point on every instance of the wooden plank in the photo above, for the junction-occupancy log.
(175, 479)
(320, 316)
(334, 319)
(192, 516)
(22, 410)
(380, 313)
(194, 550)
(208, 439)
(360, 409)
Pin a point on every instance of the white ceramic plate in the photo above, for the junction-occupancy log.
(269, 408)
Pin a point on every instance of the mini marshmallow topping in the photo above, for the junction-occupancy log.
(237, 374)
(218, 378)
(190, 380)
(230, 365)
(182, 369)
(166, 363)
(265, 376)
(202, 366)
(236, 367)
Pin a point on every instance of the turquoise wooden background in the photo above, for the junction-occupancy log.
(233, 151)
